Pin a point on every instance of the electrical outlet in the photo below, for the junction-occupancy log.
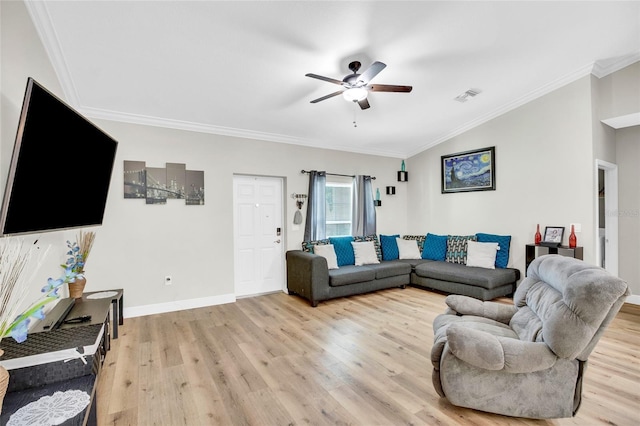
(576, 227)
(167, 280)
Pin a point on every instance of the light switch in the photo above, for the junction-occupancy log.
(576, 227)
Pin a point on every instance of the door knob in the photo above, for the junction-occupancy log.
(277, 241)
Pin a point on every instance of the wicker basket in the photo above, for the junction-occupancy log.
(4, 382)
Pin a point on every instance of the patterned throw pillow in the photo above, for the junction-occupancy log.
(418, 238)
(435, 247)
(504, 242)
(389, 247)
(344, 250)
(376, 243)
(308, 245)
(457, 248)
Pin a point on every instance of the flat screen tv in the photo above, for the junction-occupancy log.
(60, 168)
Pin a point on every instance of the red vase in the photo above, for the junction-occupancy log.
(538, 235)
(572, 238)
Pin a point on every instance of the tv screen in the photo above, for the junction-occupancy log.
(60, 168)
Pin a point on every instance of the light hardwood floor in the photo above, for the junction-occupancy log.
(362, 360)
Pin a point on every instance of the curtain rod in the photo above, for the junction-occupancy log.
(336, 174)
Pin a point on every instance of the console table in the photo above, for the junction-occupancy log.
(66, 359)
(532, 251)
(117, 299)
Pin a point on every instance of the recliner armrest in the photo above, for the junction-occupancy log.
(489, 352)
(466, 305)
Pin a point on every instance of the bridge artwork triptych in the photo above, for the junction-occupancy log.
(157, 184)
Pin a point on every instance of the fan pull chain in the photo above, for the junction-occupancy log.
(355, 109)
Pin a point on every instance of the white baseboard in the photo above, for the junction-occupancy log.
(179, 305)
(634, 299)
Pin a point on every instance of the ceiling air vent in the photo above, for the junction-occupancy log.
(464, 97)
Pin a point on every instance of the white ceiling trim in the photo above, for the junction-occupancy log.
(603, 71)
(224, 131)
(42, 22)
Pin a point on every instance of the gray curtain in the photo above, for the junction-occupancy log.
(315, 227)
(364, 212)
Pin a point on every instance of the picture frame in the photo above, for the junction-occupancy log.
(467, 171)
(553, 234)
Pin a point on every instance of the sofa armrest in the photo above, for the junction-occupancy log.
(489, 352)
(466, 305)
(307, 275)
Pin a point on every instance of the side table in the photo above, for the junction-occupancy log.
(117, 300)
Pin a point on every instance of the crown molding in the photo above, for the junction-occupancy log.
(101, 114)
(600, 70)
(49, 38)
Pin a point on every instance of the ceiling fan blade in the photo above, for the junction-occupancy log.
(320, 77)
(371, 72)
(331, 95)
(389, 88)
(364, 104)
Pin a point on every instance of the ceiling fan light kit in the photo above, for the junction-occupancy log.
(356, 87)
(355, 94)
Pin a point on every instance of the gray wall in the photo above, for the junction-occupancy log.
(628, 156)
(545, 174)
(139, 244)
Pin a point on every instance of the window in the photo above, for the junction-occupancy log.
(338, 213)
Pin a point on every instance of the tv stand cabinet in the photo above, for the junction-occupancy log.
(49, 362)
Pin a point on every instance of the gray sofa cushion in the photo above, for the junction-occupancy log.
(390, 268)
(351, 274)
(481, 277)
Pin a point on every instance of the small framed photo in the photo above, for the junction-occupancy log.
(553, 234)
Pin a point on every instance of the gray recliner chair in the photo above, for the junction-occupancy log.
(526, 359)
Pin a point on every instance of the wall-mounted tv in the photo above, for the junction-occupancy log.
(60, 168)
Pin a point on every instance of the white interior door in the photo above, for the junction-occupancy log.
(609, 252)
(258, 235)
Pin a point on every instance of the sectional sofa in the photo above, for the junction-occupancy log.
(471, 265)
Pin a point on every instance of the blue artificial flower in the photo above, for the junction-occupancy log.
(19, 332)
(69, 276)
(39, 314)
(52, 284)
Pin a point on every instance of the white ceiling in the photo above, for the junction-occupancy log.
(238, 68)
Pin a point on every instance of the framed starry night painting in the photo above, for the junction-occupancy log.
(469, 171)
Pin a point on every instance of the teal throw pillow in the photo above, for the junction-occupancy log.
(435, 247)
(504, 242)
(344, 250)
(389, 247)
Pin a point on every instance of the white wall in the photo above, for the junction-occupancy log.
(628, 156)
(194, 244)
(21, 56)
(544, 175)
(139, 244)
(544, 164)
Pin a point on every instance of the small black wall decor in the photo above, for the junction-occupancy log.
(157, 184)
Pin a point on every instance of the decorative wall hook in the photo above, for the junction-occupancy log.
(299, 199)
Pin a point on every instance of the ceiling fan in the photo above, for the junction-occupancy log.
(355, 87)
